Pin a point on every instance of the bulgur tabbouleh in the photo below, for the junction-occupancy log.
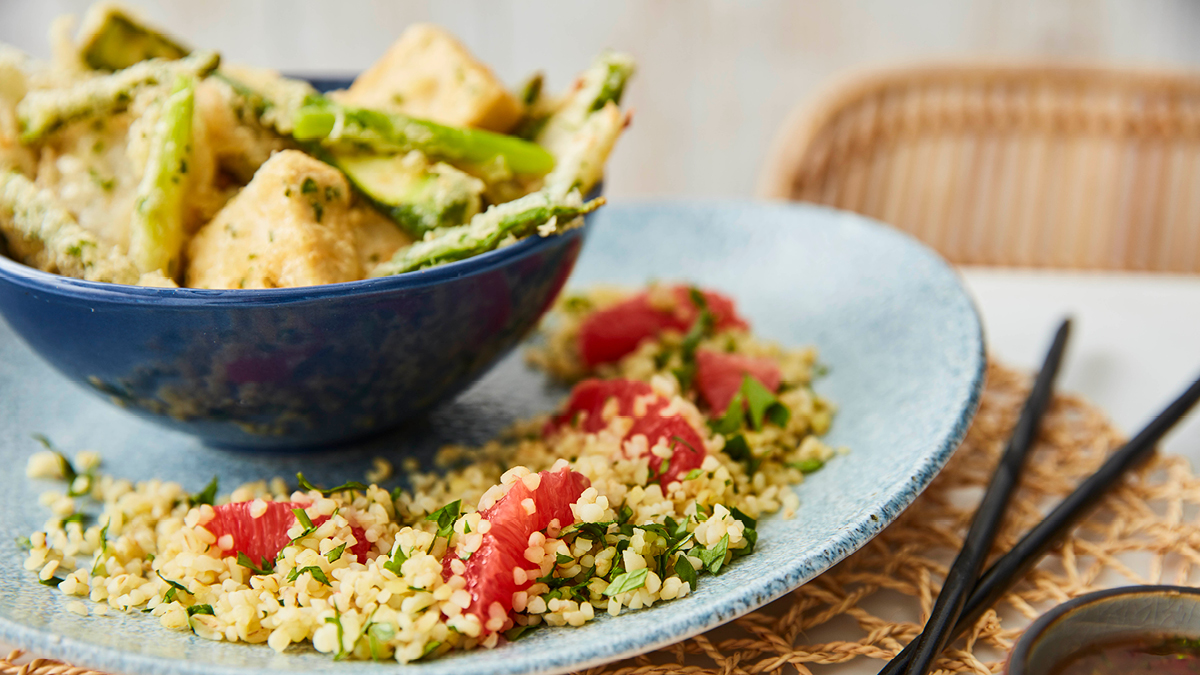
(642, 484)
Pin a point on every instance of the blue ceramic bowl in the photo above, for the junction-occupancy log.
(1104, 617)
(290, 367)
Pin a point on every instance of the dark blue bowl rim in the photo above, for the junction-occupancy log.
(37, 280)
(1020, 654)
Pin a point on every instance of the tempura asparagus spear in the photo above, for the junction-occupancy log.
(156, 234)
(41, 233)
(42, 112)
(346, 128)
(112, 38)
(600, 84)
(518, 218)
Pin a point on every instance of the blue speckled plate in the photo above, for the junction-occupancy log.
(892, 321)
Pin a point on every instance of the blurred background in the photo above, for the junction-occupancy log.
(717, 78)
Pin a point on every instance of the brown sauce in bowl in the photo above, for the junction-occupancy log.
(1152, 654)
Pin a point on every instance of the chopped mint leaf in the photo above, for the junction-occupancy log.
(763, 404)
(430, 647)
(564, 559)
(316, 573)
(206, 496)
(445, 517)
(397, 560)
(629, 581)
(341, 650)
(335, 554)
(244, 560)
(693, 474)
(200, 609)
(807, 465)
(52, 581)
(714, 557)
(378, 635)
(738, 450)
(513, 634)
(96, 566)
(685, 571)
(734, 416)
(344, 487)
(68, 470)
(80, 518)
(175, 587)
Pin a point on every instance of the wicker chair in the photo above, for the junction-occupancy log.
(1016, 166)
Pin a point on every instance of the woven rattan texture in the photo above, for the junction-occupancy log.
(1022, 166)
(872, 604)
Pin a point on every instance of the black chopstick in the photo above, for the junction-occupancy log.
(1012, 566)
(990, 514)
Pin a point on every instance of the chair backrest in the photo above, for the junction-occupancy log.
(1017, 166)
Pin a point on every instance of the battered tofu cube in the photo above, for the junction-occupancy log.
(290, 226)
(429, 74)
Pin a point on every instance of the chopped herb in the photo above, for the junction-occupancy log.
(664, 467)
(630, 581)
(316, 573)
(763, 404)
(96, 566)
(445, 517)
(430, 647)
(577, 303)
(592, 531)
(52, 581)
(244, 560)
(397, 492)
(309, 186)
(686, 572)
(625, 514)
(564, 559)
(397, 560)
(206, 496)
(84, 489)
(80, 518)
(807, 466)
(318, 210)
(341, 650)
(734, 416)
(335, 554)
(701, 328)
(693, 474)
(106, 184)
(820, 370)
(23, 543)
(749, 533)
(175, 587)
(344, 487)
(68, 471)
(200, 609)
(378, 635)
(307, 522)
(738, 450)
(714, 557)
(513, 634)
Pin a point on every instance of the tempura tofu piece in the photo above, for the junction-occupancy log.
(429, 74)
(291, 226)
(378, 236)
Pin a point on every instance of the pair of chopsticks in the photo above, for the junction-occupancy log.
(966, 595)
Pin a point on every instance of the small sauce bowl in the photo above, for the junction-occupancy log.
(1118, 615)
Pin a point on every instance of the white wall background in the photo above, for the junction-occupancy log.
(717, 77)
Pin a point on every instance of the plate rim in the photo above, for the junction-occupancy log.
(767, 589)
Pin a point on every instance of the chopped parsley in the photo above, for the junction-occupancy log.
(344, 487)
(97, 566)
(445, 517)
(629, 581)
(175, 586)
(713, 558)
(398, 558)
(52, 581)
(200, 609)
(307, 522)
(336, 554)
(309, 186)
(80, 518)
(267, 566)
(685, 571)
(378, 635)
(763, 404)
(513, 634)
(807, 465)
(68, 470)
(24, 543)
(315, 572)
(693, 474)
(206, 496)
(341, 650)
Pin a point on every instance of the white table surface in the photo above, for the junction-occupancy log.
(1135, 345)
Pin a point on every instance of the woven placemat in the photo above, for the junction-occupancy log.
(874, 602)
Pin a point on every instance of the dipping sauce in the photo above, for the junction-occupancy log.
(1157, 654)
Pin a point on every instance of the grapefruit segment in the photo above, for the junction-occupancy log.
(489, 569)
(265, 536)
(609, 334)
(719, 376)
